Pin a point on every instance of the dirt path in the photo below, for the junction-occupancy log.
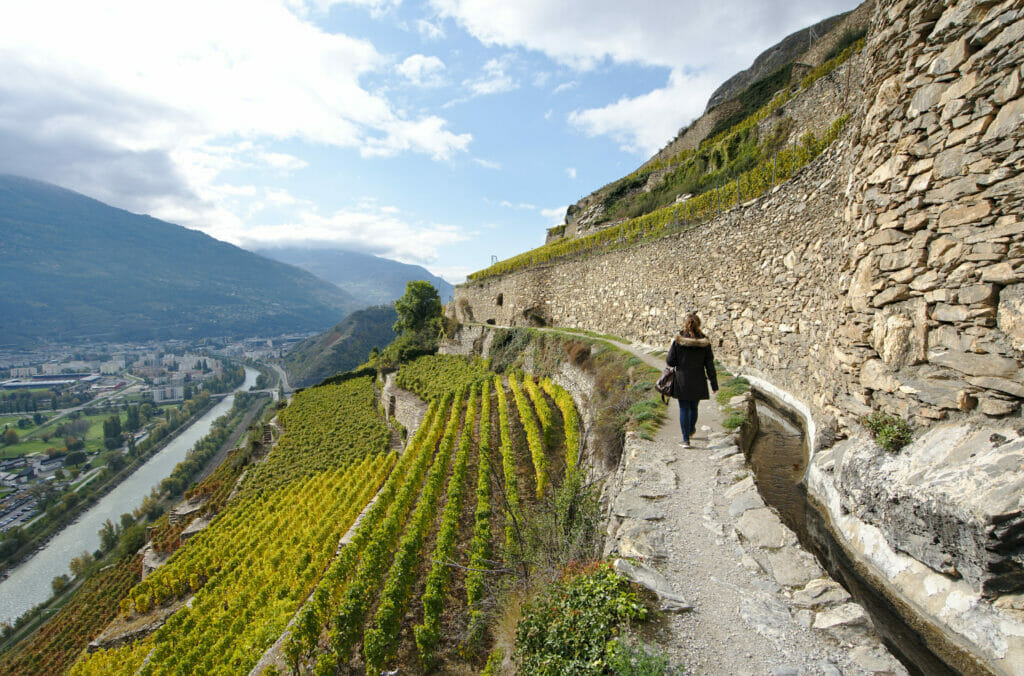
(695, 525)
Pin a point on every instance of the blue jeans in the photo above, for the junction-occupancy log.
(688, 418)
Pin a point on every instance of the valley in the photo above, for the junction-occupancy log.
(487, 481)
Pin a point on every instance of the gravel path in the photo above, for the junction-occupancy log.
(696, 529)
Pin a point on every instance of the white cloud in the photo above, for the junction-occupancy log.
(565, 86)
(426, 135)
(487, 164)
(494, 79)
(428, 30)
(571, 172)
(146, 104)
(422, 71)
(555, 216)
(367, 227)
(282, 161)
(695, 41)
(454, 274)
(282, 197)
(519, 205)
(644, 124)
(376, 8)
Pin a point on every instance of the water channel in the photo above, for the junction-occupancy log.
(779, 457)
(29, 583)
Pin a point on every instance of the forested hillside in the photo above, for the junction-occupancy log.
(77, 269)
(342, 347)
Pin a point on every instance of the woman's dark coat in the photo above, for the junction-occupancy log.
(695, 365)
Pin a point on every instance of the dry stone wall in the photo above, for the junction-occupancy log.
(888, 274)
(936, 197)
(765, 277)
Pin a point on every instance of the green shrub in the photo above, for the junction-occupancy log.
(731, 387)
(849, 37)
(734, 419)
(889, 431)
(756, 95)
(569, 627)
(626, 659)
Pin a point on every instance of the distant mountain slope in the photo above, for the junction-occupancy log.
(378, 280)
(716, 147)
(773, 58)
(75, 268)
(342, 348)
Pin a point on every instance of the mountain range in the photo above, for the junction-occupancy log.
(371, 278)
(76, 269)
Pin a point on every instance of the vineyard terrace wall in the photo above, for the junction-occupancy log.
(764, 277)
(887, 274)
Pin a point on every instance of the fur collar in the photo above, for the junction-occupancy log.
(691, 342)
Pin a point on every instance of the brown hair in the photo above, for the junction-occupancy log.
(691, 326)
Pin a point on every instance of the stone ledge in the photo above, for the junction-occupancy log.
(953, 499)
(991, 633)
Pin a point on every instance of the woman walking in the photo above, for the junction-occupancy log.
(691, 355)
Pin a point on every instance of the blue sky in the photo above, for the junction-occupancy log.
(439, 132)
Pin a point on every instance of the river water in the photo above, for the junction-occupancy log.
(29, 583)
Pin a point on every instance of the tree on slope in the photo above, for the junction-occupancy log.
(419, 322)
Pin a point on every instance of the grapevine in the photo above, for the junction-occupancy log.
(571, 422)
(250, 569)
(533, 436)
(542, 408)
(315, 616)
(428, 632)
(508, 465)
(435, 375)
(352, 610)
(479, 548)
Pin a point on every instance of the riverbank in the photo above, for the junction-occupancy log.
(25, 588)
(70, 516)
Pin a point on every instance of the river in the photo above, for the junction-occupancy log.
(29, 583)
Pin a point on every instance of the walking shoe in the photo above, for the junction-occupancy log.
(685, 444)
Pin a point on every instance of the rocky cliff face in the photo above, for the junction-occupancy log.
(785, 51)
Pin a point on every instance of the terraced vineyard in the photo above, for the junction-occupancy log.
(408, 587)
(249, 572)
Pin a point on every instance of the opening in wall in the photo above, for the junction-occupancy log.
(500, 300)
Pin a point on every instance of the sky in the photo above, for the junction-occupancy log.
(440, 132)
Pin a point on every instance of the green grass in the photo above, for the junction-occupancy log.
(734, 419)
(891, 432)
(30, 440)
(730, 386)
(594, 334)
